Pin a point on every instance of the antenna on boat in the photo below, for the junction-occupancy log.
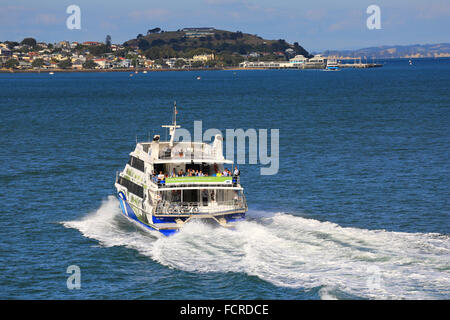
(174, 124)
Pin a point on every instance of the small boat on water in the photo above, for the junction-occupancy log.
(51, 72)
(198, 78)
(166, 184)
(332, 65)
(145, 71)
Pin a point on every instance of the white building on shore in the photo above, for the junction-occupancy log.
(266, 64)
(298, 62)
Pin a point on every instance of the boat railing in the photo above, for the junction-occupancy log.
(196, 181)
(164, 207)
(187, 155)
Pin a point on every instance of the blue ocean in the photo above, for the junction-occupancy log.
(359, 208)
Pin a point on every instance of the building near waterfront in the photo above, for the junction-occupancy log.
(266, 64)
(298, 60)
(203, 57)
(198, 32)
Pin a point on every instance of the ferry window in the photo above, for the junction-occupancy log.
(132, 187)
(176, 195)
(204, 195)
(220, 195)
(136, 163)
(190, 195)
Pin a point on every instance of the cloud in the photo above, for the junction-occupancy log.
(47, 19)
(353, 19)
(434, 11)
(12, 15)
(149, 14)
(315, 14)
(221, 2)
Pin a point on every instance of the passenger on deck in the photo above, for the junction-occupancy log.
(161, 176)
(236, 171)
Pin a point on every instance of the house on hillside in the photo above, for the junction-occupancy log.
(103, 63)
(203, 57)
(198, 32)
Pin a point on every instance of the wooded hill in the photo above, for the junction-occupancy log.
(229, 47)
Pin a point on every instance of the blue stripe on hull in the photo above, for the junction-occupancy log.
(128, 212)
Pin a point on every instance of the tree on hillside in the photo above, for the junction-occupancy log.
(154, 30)
(179, 63)
(143, 44)
(65, 64)
(152, 53)
(108, 41)
(37, 63)
(11, 63)
(98, 49)
(89, 64)
(158, 42)
(11, 44)
(197, 64)
(29, 42)
(279, 45)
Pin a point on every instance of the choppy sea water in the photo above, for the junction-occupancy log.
(358, 210)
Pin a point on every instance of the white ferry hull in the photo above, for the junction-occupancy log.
(169, 228)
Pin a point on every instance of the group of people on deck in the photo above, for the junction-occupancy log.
(199, 173)
(189, 173)
(196, 173)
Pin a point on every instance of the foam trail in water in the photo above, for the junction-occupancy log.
(291, 251)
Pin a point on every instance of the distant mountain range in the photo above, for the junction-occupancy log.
(383, 52)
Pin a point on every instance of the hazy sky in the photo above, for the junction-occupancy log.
(317, 25)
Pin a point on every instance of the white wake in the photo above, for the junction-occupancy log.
(291, 251)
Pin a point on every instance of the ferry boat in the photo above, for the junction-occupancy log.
(332, 65)
(166, 184)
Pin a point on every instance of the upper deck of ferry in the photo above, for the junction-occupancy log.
(180, 152)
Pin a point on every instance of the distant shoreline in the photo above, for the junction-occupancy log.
(106, 70)
(3, 70)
